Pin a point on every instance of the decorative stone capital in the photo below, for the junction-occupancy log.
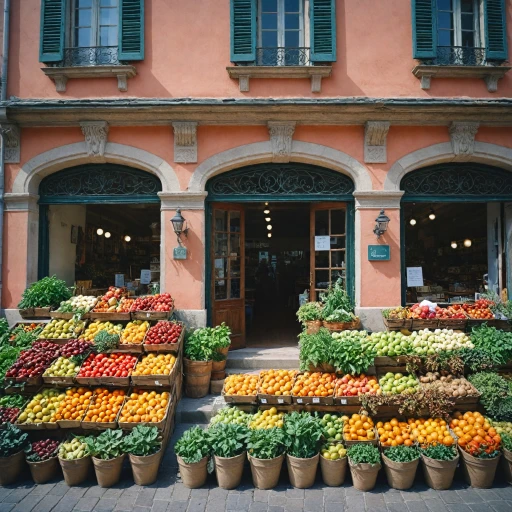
(95, 133)
(281, 134)
(462, 136)
(11, 136)
(185, 142)
(377, 199)
(182, 200)
(375, 135)
(21, 202)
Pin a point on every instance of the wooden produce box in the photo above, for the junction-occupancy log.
(152, 381)
(397, 324)
(167, 347)
(240, 399)
(109, 316)
(30, 382)
(59, 381)
(314, 400)
(419, 324)
(160, 425)
(151, 315)
(128, 348)
(98, 425)
(35, 313)
(375, 442)
(351, 400)
(456, 324)
(274, 400)
(71, 423)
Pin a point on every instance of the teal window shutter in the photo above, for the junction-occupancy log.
(53, 16)
(131, 30)
(495, 30)
(243, 30)
(424, 29)
(323, 30)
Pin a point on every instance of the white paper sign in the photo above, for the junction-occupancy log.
(415, 276)
(263, 400)
(280, 401)
(145, 276)
(322, 243)
(119, 280)
(316, 400)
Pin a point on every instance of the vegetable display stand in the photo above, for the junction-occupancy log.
(265, 472)
(197, 377)
(439, 473)
(400, 475)
(108, 472)
(75, 471)
(229, 470)
(145, 469)
(10, 467)
(397, 324)
(302, 472)
(313, 326)
(156, 380)
(193, 475)
(343, 326)
(420, 323)
(506, 464)
(479, 473)
(333, 471)
(456, 324)
(35, 313)
(364, 476)
(44, 471)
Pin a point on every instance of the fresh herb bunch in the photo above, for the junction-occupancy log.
(12, 440)
(227, 440)
(103, 341)
(338, 307)
(495, 343)
(108, 445)
(4, 326)
(506, 441)
(402, 453)
(476, 360)
(193, 445)
(309, 312)
(314, 349)
(48, 292)
(8, 356)
(349, 354)
(439, 452)
(198, 346)
(142, 441)
(265, 443)
(220, 336)
(12, 401)
(448, 360)
(24, 339)
(303, 433)
(496, 396)
(364, 453)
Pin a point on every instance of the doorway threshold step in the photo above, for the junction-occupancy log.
(283, 358)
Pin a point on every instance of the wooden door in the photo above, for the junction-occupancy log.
(327, 220)
(228, 269)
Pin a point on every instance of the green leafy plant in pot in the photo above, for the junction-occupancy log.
(265, 449)
(364, 463)
(198, 362)
(303, 434)
(310, 315)
(12, 445)
(338, 307)
(400, 465)
(228, 444)
(192, 450)
(439, 464)
(46, 293)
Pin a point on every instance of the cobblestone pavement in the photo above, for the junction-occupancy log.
(169, 495)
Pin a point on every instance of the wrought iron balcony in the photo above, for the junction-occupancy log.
(282, 56)
(90, 56)
(458, 56)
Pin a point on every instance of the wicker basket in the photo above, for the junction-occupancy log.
(343, 326)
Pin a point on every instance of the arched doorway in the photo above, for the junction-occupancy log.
(272, 232)
(86, 199)
(454, 225)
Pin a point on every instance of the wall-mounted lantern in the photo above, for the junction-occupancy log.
(381, 225)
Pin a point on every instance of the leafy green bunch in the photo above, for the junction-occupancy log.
(496, 396)
(440, 452)
(103, 341)
(303, 434)
(108, 445)
(8, 356)
(220, 336)
(309, 312)
(227, 440)
(193, 445)
(337, 305)
(402, 453)
(506, 441)
(314, 349)
(495, 343)
(48, 292)
(266, 443)
(24, 339)
(12, 401)
(349, 354)
(142, 441)
(364, 453)
(198, 346)
(12, 440)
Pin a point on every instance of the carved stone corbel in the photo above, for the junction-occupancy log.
(462, 135)
(185, 142)
(11, 136)
(95, 133)
(375, 137)
(281, 134)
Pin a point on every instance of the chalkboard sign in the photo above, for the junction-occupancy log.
(378, 253)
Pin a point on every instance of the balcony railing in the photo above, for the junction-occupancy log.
(458, 56)
(90, 56)
(281, 56)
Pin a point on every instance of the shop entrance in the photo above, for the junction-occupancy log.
(266, 250)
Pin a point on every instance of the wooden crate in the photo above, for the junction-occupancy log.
(419, 324)
(151, 315)
(375, 442)
(109, 317)
(59, 381)
(35, 313)
(174, 348)
(145, 381)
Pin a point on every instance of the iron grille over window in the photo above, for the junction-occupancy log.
(91, 56)
(282, 56)
(458, 55)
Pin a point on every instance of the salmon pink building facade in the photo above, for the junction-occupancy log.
(330, 110)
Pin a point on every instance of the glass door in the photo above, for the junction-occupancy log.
(228, 270)
(328, 229)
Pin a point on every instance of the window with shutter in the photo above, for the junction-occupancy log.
(53, 17)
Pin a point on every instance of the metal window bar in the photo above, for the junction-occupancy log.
(91, 56)
(282, 56)
(459, 56)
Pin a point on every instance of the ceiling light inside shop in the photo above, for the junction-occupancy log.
(269, 235)
(127, 238)
(432, 214)
(266, 212)
(266, 204)
(107, 234)
(467, 242)
(267, 219)
(269, 227)
(412, 222)
(99, 231)
(454, 245)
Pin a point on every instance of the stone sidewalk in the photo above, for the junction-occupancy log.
(169, 495)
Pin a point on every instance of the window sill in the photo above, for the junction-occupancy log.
(490, 74)
(244, 73)
(61, 75)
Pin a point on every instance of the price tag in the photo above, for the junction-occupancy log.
(343, 401)
(263, 400)
(148, 315)
(299, 400)
(316, 400)
(157, 383)
(280, 401)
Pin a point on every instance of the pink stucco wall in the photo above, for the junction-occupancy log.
(14, 258)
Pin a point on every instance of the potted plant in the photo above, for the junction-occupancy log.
(41, 457)
(108, 454)
(338, 309)
(439, 463)
(218, 366)
(198, 363)
(400, 465)
(506, 460)
(12, 445)
(144, 448)
(310, 316)
(221, 340)
(333, 464)
(75, 461)
(265, 450)
(228, 445)
(41, 296)
(364, 463)
(303, 433)
(192, 450)
(315, 351)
